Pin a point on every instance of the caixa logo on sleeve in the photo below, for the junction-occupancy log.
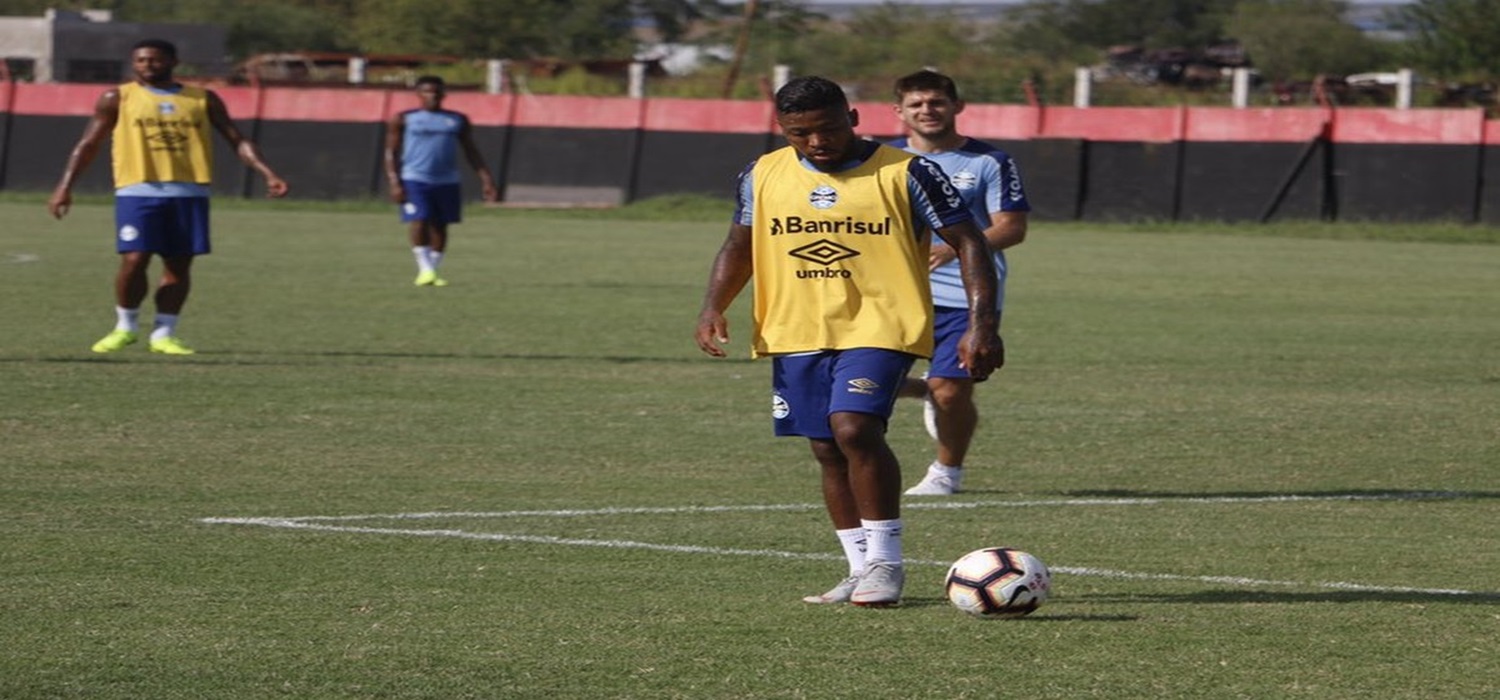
(944, 184)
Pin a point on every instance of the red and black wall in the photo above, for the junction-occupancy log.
(1096, 164)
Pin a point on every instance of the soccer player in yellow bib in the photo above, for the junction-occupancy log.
(163, 166)
(834, 231)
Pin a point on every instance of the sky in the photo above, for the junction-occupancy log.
(915, 2)
(1015, 2)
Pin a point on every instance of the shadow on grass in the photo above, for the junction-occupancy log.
(1044, 614)
(217, 358)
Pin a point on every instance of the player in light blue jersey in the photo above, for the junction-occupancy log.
(421, 165)
(990, 184)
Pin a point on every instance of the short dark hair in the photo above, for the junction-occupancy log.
(924, 81)
(161, 45)
(810, 93)
(429, 80)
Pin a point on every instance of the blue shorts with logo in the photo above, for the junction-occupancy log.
(807, 389)
(433, 203)
(167, 226)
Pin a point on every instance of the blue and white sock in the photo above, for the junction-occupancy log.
(424, 258)
(853, 541)
(883, 540)
(127, 319)
(163, 326)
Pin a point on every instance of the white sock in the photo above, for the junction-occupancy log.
(955, 474)
(424, 258)
(164, 325)
(853, 540)
(436, 258)
(127, 319)
(883, 540)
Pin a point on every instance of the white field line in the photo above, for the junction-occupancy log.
(322, 523)
(946, 505)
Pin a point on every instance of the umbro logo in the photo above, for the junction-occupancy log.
(824, 252)
(167, 139)
(863, 386)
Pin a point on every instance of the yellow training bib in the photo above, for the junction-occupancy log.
(839, 262)
(162, 137)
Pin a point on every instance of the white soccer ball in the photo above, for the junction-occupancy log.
(997, 582)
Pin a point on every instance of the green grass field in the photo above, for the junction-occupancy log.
(1261, 467)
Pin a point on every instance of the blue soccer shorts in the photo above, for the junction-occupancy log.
(434, 204)
(807, 389)
(166, 226)
(948, 327)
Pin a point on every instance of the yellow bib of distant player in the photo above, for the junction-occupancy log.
(839, 263)
(162, 138)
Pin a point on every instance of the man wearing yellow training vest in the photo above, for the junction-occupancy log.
(163, 166)
(833, 230)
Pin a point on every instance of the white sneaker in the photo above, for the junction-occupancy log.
(934, 483)
(929, 416)
(838, 594)
(880, 585)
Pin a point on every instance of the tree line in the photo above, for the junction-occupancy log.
(1034, 47)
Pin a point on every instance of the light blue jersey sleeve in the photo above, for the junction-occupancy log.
(935, 203)
(988, 180)
(744, 208)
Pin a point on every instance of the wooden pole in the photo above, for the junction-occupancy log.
(741, 45)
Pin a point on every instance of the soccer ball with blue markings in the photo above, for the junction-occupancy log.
(998, 582)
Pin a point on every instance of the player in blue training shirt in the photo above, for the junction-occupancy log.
(421, 165)
(835, 232)
(990, 184)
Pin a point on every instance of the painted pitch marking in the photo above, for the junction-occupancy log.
(329, 523)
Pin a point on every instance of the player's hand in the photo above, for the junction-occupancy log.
(491, 193)
(941, 255)
(981, 354)
(713, 332)
(276, 187)
(398, 193)
(58, 205)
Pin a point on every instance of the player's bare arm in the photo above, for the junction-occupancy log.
(218, 115)
(1008, 229)
(730, 273)
(980, 350)
(106, 113)
(395, 128)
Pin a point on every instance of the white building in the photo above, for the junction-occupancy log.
(90, 47)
